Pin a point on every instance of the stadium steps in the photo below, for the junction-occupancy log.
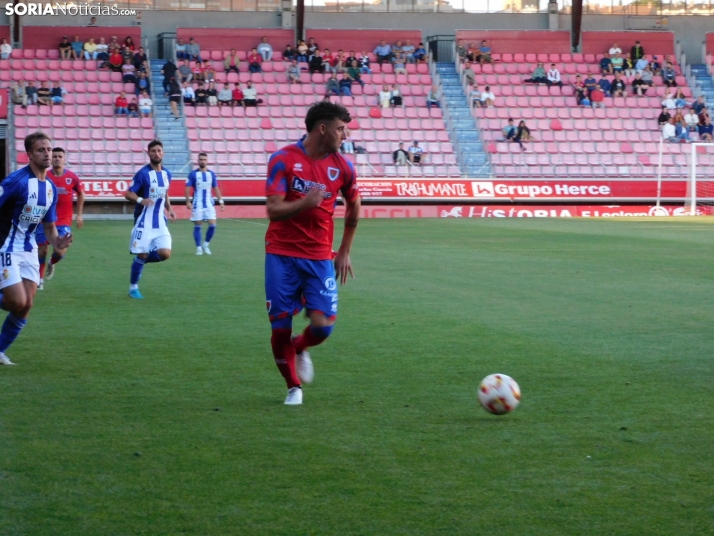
(472, 158)
(705, 84)
(171, 132)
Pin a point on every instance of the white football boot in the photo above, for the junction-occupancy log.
(199, 250)
(303, 366)
(5, 360)
(294, 397)
(206, 249)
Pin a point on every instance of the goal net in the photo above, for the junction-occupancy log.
(700, 186)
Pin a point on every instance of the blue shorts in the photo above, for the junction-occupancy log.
(40, 237)
(292, 282)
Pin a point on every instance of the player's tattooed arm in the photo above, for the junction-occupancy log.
(169, 209)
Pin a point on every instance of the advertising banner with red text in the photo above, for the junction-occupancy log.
(3, 103)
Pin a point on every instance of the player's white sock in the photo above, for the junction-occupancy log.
(133, 287)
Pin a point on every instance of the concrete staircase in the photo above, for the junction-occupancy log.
(170, 131)
(705, 84)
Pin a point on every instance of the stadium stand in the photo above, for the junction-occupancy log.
(4, 33)
(49, 37)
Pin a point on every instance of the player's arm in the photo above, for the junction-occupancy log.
(280, 209)
(57, 242)
(190, 183)
(80, 208)
(132, 194)
(219, 196)
(168, 208)
(343, 264)
(188, 197)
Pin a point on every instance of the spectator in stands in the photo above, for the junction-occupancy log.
(434, 97)
(126, 53)
(484, 53)
(19, 95)
(641, 64)
(397, 47)
(338, 63)
(639, 86)
(201, 95)
(102, 50)
(254, 61)
(193, 50)
(648, 76)
(487, 98)
(302, 51)
(352, 57)
(145, 104)
(475, 96)
(681, 126)
(129, 44)
(312, 46)
(265, 49)
(510, 131)
(554, 76)
(385, 97)
(656, 66)
(141, 61)
(212, 94)
(346, 85)
(605, 86)
(209, 75)
(580, 92)
(669, 131)
(57, 93)
(669, 101)
(90, 49)
(128, 72)
(605, 65)
(637, 52)
(669, 75)
(133, 108)
(121, 105)
(289, 53)
(692, 121)
(5, 49)
(113, 43)
(416, 153)
(461, 49)
(409, 50)
(188, 94)
(44, 95)
(231, 62)
(400, 156)
(364, 63)
(615, 49)
(347, 146)
(294, 72)
(199, 74)
(92, 21)
(469, 74)
(238, 97)
(590, 83)
(383, 51)
(703, 116)
(250, 95)
(396, 99)
(618, 88)
(142, 84)
(355, 73)
(225, 96)
(399, 60)
(420, 53)
(538, 77)
(31, 91)
(472, 52)
(65, 49)
(523, 134)
(699, 105)
(628, 66)
(77, 48)
(333, 85)
(175, 97)
(597, 97)
(664, 117)
(181, 50)
(680, 99)
(316, 64)
(116, 60)
(706, 131)
(617, 63)
(327, 58)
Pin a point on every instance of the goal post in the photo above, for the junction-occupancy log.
(700, 189)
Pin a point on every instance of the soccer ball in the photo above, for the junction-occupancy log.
(499, 394)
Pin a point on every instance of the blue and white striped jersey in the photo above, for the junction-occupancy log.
(202, 182)
(25, 203)
(154, 185)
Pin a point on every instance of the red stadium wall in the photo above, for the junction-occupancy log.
(49, 37)
(240, 38)
(5, 33)
(710, 42)
(520, 41)
(659, 43)
(360, 40)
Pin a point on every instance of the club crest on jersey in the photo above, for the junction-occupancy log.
(68, 180)
(333, 173)
(5, 274)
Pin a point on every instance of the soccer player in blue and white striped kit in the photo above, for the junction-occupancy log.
(27, 199)
(150, 238)
(203, 180)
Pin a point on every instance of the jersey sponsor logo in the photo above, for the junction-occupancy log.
(304, 186)
(330, 283)
(33, 196)
(32, 214)
(333, 173)
(297, 166)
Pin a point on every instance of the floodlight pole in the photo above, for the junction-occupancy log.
(693, 187)
(300, 19)
(659, 170)
(576, 23)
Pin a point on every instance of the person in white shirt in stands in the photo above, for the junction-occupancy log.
(692, 121)
(475, 96)
(5, 49)
(250, 95)
(145, 104)
(385, 97)
(102, 50)
(554, 76)
(669, 102)
(487, 98)
(416, 153)
(188, 94)
(265, 49)
(669, 132)
(614, 49)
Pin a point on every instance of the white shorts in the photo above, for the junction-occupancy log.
(18, 266)
(147, 240)
(203, 214)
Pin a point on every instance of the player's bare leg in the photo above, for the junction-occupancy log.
(42, 257)
(17, 300)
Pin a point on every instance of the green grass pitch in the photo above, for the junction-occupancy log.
(165, 416)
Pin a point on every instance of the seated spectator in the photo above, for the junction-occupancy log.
(181, 50)
(637, 52)
(225, 96)
(209, 75)
(346, 85)
(113, 43)
(44, 95)
(554, 76)
(385, 97)
(142, 84)
(327, 60)
(433, 98)
(250, 95)
(618, 89)
(57, 93)
(617, 63)
(399, 60)
(102, 50)
(126, 53)
(116, 61)
(699, 105)
(579, 86)
(420, 53)
(648, 76)
(416, 153)
(641, 64)
(397, 47)
(605, 86)
(198, 72)
(605, 65)
(188, 94)
(664, 117)
(333, 85)
(396, 99)
(703, 116)
(231, 62)
(129, 45)
(90, 49)
(121, 105)
(680, 100)
(475, 96)
(347, 146)
(706, 131)
(680, 126)
(127, 72)
(289, 54)
(522, 134)
(145, 104)
(656, 66)
(238, 97)
(472, 52)
(509, 131)
(302, 51)
(175, 97)
(538, 77)
(65, 49)
(669, 132)
(265, 50)
(141, 61)
(692, 121)
(590, 83)
(77, 48)
(408, 50)
(349, 59)
(294, 73)
(461, 49)
(19, 94)
(487, 98)
(484, 53)
(212, 94)
(400, 156)
(133, 108)
(254, 61)
(316, 64)
(364, 63)
(639, 86)
(312, 46)
(338, 62)
(193, 50)
(355, 72)
(597, 98)
(669, 75)
(383, 51)
(201, 95)
(669, 101)
(615, 49)
(5, 49)
(31, 91)
(469, 74)
(628, 67)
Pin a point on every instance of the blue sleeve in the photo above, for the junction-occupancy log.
(277, 183)
(191, 181)
(168, 174)
(214, 184)
(8, 189)
(137, 184)
(51, 214)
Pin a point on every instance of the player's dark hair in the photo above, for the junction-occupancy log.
(30, 140)
(324, 111)
(58, 150)
(203, 154)
(154, 143)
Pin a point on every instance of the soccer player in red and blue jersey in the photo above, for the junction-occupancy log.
(304, 180)
(67, 184)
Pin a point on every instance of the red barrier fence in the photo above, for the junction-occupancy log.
(239, 38)
(49, 37)
(361, 40)
(656, 43)
(519, 41)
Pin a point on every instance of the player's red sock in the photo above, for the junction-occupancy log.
(42, 268)
(311, 337)
(284, 355)
(56, 257)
